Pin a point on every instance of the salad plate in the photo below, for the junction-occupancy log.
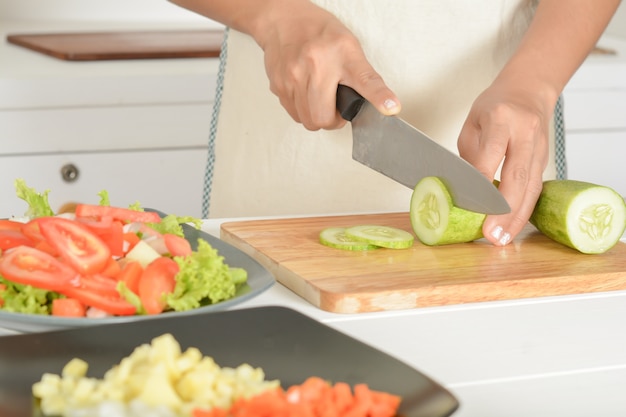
(287, 345)
(259, 280)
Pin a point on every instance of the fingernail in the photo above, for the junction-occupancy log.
(496, 233)
(506, 238)
(390, 104)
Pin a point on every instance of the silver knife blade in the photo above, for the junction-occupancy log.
(398, 150)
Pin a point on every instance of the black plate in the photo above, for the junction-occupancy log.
(259, 280)
(289, 346)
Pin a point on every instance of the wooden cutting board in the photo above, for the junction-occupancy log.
(385, 279)
(94, 46)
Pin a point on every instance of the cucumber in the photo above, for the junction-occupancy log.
(335, 237)
(383, 236)
(436, 220)
(587, 217)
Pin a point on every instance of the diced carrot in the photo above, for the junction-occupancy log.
(212, 412)
(68, 307)
(342, 396)
(315, 397)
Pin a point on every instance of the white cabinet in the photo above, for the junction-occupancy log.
(137, 128)
(595, 118)
(169, 180)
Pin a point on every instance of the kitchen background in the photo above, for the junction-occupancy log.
(139, 128)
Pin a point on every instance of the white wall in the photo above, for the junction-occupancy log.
(618, 24)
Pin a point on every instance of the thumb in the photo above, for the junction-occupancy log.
(372, 87)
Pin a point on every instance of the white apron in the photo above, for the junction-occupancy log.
(436, 55)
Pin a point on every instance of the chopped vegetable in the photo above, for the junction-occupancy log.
(436, 220)
(68, 307)
(383, 236)
(38, 205)
(203, 278)
(584, 216)
(157, 280)
(118, 213)
(315, 397)
(335, 237)
(76, 244)
(158, 375)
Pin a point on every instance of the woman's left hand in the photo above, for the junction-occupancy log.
(508, 124)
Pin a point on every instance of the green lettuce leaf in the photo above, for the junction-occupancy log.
(104, 198)
(173, 224)
(19, 298)
(38, 205)
(204, 279)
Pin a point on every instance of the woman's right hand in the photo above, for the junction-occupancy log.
(308, 53)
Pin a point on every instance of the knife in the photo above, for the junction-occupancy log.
(391, 146)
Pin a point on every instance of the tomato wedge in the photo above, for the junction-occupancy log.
(76, 244)
(118, 213)
(31, 229)
(176, 245)
(68, 307)
(111, 304)
(130, 275)
(12, 238)
(6, 224)
(157, 280)
(30, 266)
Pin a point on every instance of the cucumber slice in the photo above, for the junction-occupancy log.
(383, 236)
(335, 237)
(436, 220)
(587, 217)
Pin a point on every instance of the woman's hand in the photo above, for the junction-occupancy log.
(509, 123)
(308, 53)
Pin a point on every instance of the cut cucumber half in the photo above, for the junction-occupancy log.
(335, 237)
(587, 217)
(436, 220)
(383, 236)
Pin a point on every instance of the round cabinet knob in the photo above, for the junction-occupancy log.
(69, 172)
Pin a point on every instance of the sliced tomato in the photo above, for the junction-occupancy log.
(11, 238)
(109, 230)
(44, 246)
(110, 304)
(130, 240)
(176, 245)
(131, 274)
(76, 244)
(95, 224)
(68, 307)
(31, 229)
(97, 283)
(6, 224)
(119, 213)
(114, 238)
(112, 269)
(157, 280)
(30, 266)
(2, 288)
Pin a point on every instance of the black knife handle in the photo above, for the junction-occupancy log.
(349, 102)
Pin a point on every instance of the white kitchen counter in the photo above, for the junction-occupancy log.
(542, 357)
(551, 356)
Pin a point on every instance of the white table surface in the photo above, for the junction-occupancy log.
(549, 356)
